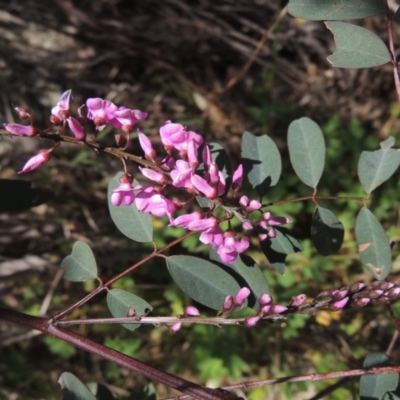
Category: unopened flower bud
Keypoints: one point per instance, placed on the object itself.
(23, 130)
(131, 312)
(76, 128)
(338, 305)
(265, 299)
(192, 311)
(241, 296)
(228, 303)
(251, 321)
(297, 301)
(24, 113)
(356, 287)
(361, 301)
(175, 327)
(278, 309)
(393, 293)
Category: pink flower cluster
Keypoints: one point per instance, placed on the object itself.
(185, 151)
(183, 173)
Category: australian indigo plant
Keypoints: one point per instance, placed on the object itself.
(191, 182)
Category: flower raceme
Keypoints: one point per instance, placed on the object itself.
(188, 166)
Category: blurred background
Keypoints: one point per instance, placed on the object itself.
(219, 67)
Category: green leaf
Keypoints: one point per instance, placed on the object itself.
(325, 10)
(356, 47)
(203, 281)
(73, 388)
(129, 220)
(247, 268)
(375, 386)
(261, 162)
(19, 195)
(80, 265)
(101, 392)
(277, 249)
(120, 302)
(373, 244)
(307, 150)
(376, 167)
(327, 231)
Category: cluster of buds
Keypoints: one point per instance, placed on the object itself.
(187, 164)
(102, 112)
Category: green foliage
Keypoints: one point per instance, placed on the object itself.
(373, 244)
(129, 220)
(204, 282)
(121, 302)
(59, 348)
(73, 388)
(81, 264)
(261, 162)
(307, 150)
(375, 386)
(333, 10)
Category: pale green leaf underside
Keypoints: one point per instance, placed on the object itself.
(129, 220)
(73, 388)
(326, 10)
(248, 269)
(80, 265)
(261, 162)
(373, 244)
(201, 280)
(375, 386)
(307, 150)
(375, 167)
(120, 302)
(356, 47)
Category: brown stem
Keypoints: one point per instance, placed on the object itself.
(94, 145)
(83, 343)
(311, 197)
(78, 304)
(395, 66)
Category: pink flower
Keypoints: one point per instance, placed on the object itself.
(265, 299)
(61, 111)
(250, 205)
(127, 118)
(206, 156)
(36, 161)
(143, 198)
(125, 192)
(228, 303)
(147, 146)
(160, 206)
(102, 112)
(76, 128)
(183, 221)
(231, 247)
(192, 155)
(155, 176)
(203, 186)
(172, 133)
(18, 129)
(298, 300)
(237, 178)
(241, 296)
(181, 175)
(213, 236)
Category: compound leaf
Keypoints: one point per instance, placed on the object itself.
(307, 150)
(356, 47)
(120, 302)
(129, 220)
(80, 265)
(261, 162)
(373, 244)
